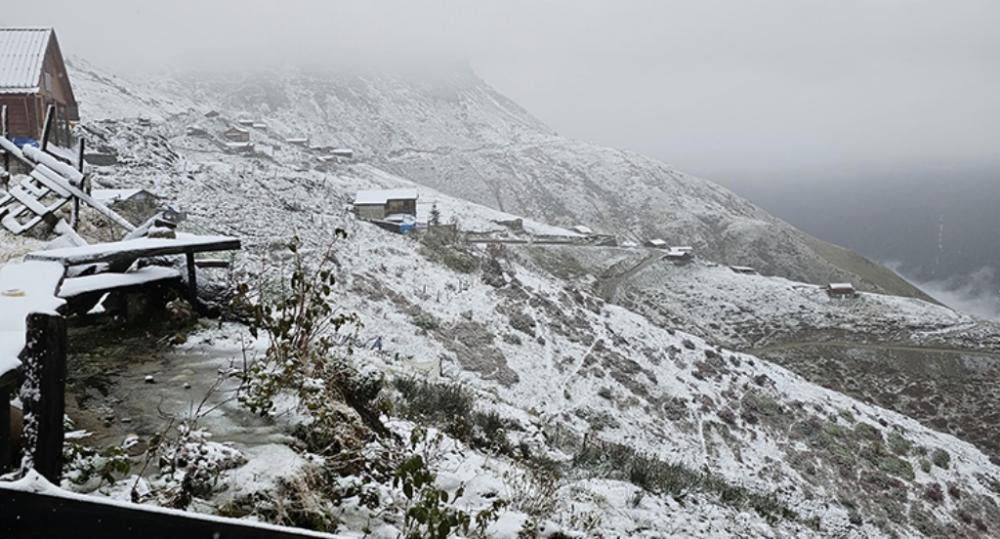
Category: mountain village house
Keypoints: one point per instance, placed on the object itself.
(236, 134)
(32, 77)
(841, 290)
(377, 205)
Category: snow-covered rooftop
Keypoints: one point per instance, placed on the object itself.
(385, 195)
(22, 54)
(841, 286)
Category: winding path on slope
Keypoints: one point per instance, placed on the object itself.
(608, 288)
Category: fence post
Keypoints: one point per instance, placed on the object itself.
(75, 215)
(43, 394)
(5, 173)
(6, 450)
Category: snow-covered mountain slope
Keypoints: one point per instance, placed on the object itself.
(570, 369)
(917, 358)
(451, 131)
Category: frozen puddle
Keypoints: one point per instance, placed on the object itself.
(156, 390)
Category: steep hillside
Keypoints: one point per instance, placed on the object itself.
(920, 359)
(611, 419)
(451, 131)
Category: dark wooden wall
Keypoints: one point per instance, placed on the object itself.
(22, 115)
(27, 515)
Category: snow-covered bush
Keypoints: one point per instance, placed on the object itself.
(300, 321)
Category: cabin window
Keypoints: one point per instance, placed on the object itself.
(47, 82)
(397, 206)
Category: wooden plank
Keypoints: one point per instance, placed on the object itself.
(48, 165)
(28, 200)
(211, 263)
(138, 248)
(35, 515)
(28, 184)
(11, 223)
(103, 282)
(53, 185)
(77, 192)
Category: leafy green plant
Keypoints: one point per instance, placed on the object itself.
(86, 463)
(300, 322)
(430, 512)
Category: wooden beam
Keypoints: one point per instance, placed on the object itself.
(47, 127)
(44, 358)
(133, 249)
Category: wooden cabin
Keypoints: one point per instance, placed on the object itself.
(841, 290)
(236, 134)
(32, 77)
(377, 205)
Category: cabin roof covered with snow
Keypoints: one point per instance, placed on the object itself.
(384, 195)
(22, 56)
(841, 286)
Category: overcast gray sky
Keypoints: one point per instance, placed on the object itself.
(740, 90)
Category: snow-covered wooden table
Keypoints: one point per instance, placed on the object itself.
(129, 250)
(120, 255)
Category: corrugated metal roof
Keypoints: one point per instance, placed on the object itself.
(22, 53)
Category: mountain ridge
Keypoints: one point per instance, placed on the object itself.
(460, 136)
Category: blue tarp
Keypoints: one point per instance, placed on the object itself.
(21, 142)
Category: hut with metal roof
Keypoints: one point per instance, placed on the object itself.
(374, 205)
(32, 77)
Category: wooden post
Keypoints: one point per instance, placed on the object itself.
(6, 155)
(43, 393)
(47, 128)
(5, 433)
(192, 277)
(75, 216)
